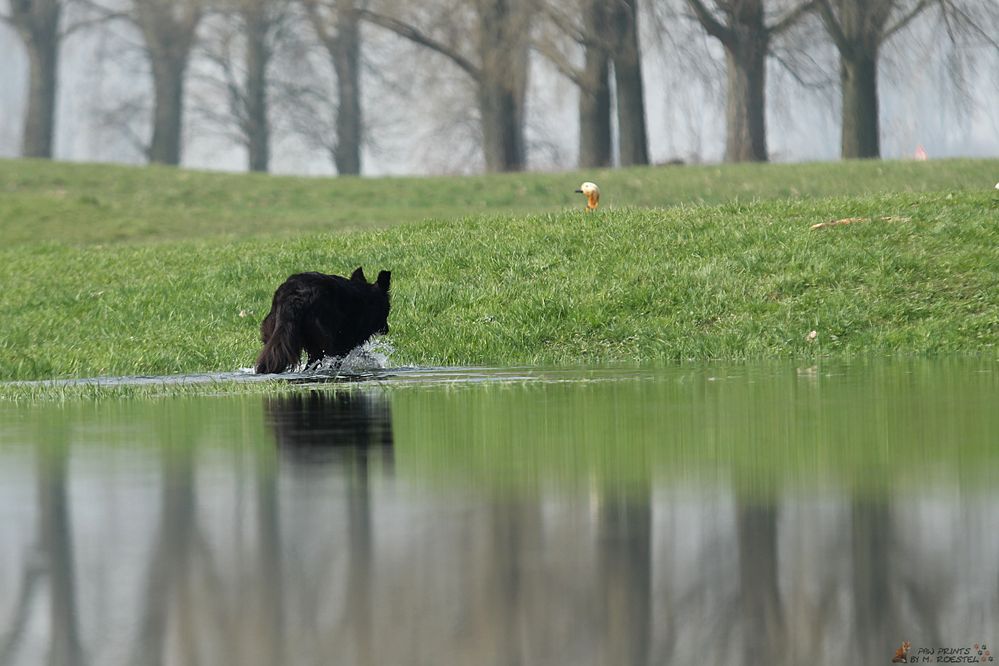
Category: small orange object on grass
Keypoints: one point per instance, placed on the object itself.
(592, 193)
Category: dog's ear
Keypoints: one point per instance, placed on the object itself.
(358, 275)
(384, 280)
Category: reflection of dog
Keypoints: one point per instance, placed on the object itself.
(327, 426)
(326, 315)
(901, 652)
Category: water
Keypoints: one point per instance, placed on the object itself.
(744, 514)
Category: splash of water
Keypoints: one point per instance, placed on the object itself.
(372, 355)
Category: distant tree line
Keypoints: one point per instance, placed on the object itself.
(592, 43)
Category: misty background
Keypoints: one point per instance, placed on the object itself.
(938, 87)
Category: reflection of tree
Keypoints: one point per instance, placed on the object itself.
(359, 583)
(188, 599)
(58, 547)
(625, 559)
(759, 596)
(812, 567)
(12, 639)
(303, 552)
(874, 609)
(338, 429)
(170, 557)
(271, 623)
(55, 560)
(505, 594)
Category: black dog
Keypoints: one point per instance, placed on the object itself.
(326, 315)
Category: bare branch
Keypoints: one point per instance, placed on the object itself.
(792, 17)
(711, 25)
(409, 32)
(956, 12)
(119, 120)
(566, 26)
(906, 19)
(229, 83)
(833, 26)
(793, 70)
(312, 10)
(561, 63)
(83, 24)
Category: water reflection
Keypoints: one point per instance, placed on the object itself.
(341, 431)
(49, 577)
(317, 426)
(497, 526)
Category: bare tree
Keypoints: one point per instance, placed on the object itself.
(743, 30)
(261, 22)
(627, 59)
(594, 90)
(859, 28)
(592, 79)
(168, 29)
(249, 31)
(337, 25)
(497, 65)
(37, 23)
(607, 32)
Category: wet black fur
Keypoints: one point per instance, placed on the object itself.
(324, 315)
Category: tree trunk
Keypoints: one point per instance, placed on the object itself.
(503, 44)
(628, 77)
(594, 96)
(168, 30)
(346, 55)
(595, 117)
(859, 82)
(39, 123)
(858, 28)
(168, 89)
(257, 127)
(502, 127)
(37, 23)
(745, 102)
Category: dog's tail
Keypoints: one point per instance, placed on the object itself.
(282, 334)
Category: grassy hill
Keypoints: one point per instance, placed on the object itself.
(112, 270)
(83, 204)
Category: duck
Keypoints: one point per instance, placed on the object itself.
(592, 193)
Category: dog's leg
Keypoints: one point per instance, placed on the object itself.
(321, 341)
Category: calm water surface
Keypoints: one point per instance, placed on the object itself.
(745, 514)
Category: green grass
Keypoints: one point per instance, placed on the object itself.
(46, 392)
(185, 288)
(100, 204)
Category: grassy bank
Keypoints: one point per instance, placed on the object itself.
(80, 204)
(732, 281)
